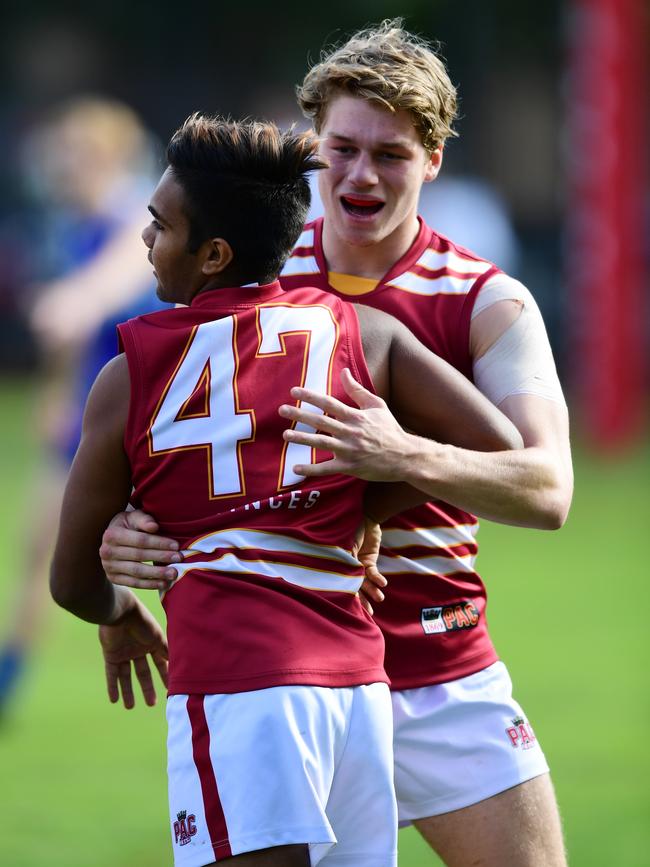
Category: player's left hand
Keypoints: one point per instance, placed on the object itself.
(366, 442)
(129, 641)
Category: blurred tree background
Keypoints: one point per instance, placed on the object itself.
(510, 61)
(166, 60)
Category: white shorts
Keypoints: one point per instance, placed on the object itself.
(459, 743)
(279, 766)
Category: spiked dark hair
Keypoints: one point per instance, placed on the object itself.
(246, 182)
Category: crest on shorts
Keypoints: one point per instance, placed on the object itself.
(449, 618)
(184, 827)
(521, 734)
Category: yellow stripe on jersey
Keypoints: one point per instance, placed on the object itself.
(348, 284)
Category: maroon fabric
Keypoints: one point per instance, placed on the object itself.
(235, 623)
(213, 809)
(439, 314)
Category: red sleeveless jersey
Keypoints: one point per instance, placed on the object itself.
(267, 593)
(433, 618)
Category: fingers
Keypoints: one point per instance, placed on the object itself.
(363, 398)
(160, 661)
(373, 575)
(328, 404)
(365, 602)
(325, 468)
(316, 441)
(372, 591)
(118, 678)
(111, 682)
(139, 583)
(136, 519)
(140, 575)
(143, 673)
(111, 553)
(126, 687)
(315, 420)
(116, 538)
(122, 552)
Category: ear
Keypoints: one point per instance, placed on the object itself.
(433, 165)
(217, 255)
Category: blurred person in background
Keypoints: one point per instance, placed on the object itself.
(89, 167)
(469, 771)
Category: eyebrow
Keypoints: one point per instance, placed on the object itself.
(155, 213)
(404, 145)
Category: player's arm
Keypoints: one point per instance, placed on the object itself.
(513, 366)
(425, 393)
(529, 487)
(99, 485)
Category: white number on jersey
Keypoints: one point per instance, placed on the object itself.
(210, 366)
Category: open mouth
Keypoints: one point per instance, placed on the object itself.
(361, 207)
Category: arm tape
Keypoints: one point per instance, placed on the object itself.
(520, 361)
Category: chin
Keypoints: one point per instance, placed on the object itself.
(362, 236)
(350, 228)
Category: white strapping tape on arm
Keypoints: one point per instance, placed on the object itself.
(521, 360)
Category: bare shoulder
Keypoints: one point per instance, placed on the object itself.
(108, 401)
(378, 330)
(376, 322)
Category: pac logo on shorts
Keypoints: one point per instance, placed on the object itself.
(521, 734)
(449, 618)
(184, 827)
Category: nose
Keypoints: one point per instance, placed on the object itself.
(362, 172)
(147, 236)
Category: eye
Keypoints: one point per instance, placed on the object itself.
(157, 226)
(344, 149)
(388, 155)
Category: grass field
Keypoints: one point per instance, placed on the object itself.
(83, 783)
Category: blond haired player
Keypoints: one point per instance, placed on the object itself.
(469, 773)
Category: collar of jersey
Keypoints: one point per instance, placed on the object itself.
(403, 264)
(237, 296)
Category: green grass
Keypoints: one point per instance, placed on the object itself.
(83, 782)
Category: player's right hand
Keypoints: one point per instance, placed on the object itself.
(129, 540)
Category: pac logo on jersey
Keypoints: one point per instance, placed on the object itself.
(521, 734)
(449, 618)
(184, 827)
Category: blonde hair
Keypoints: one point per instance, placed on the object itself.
(388, 65)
